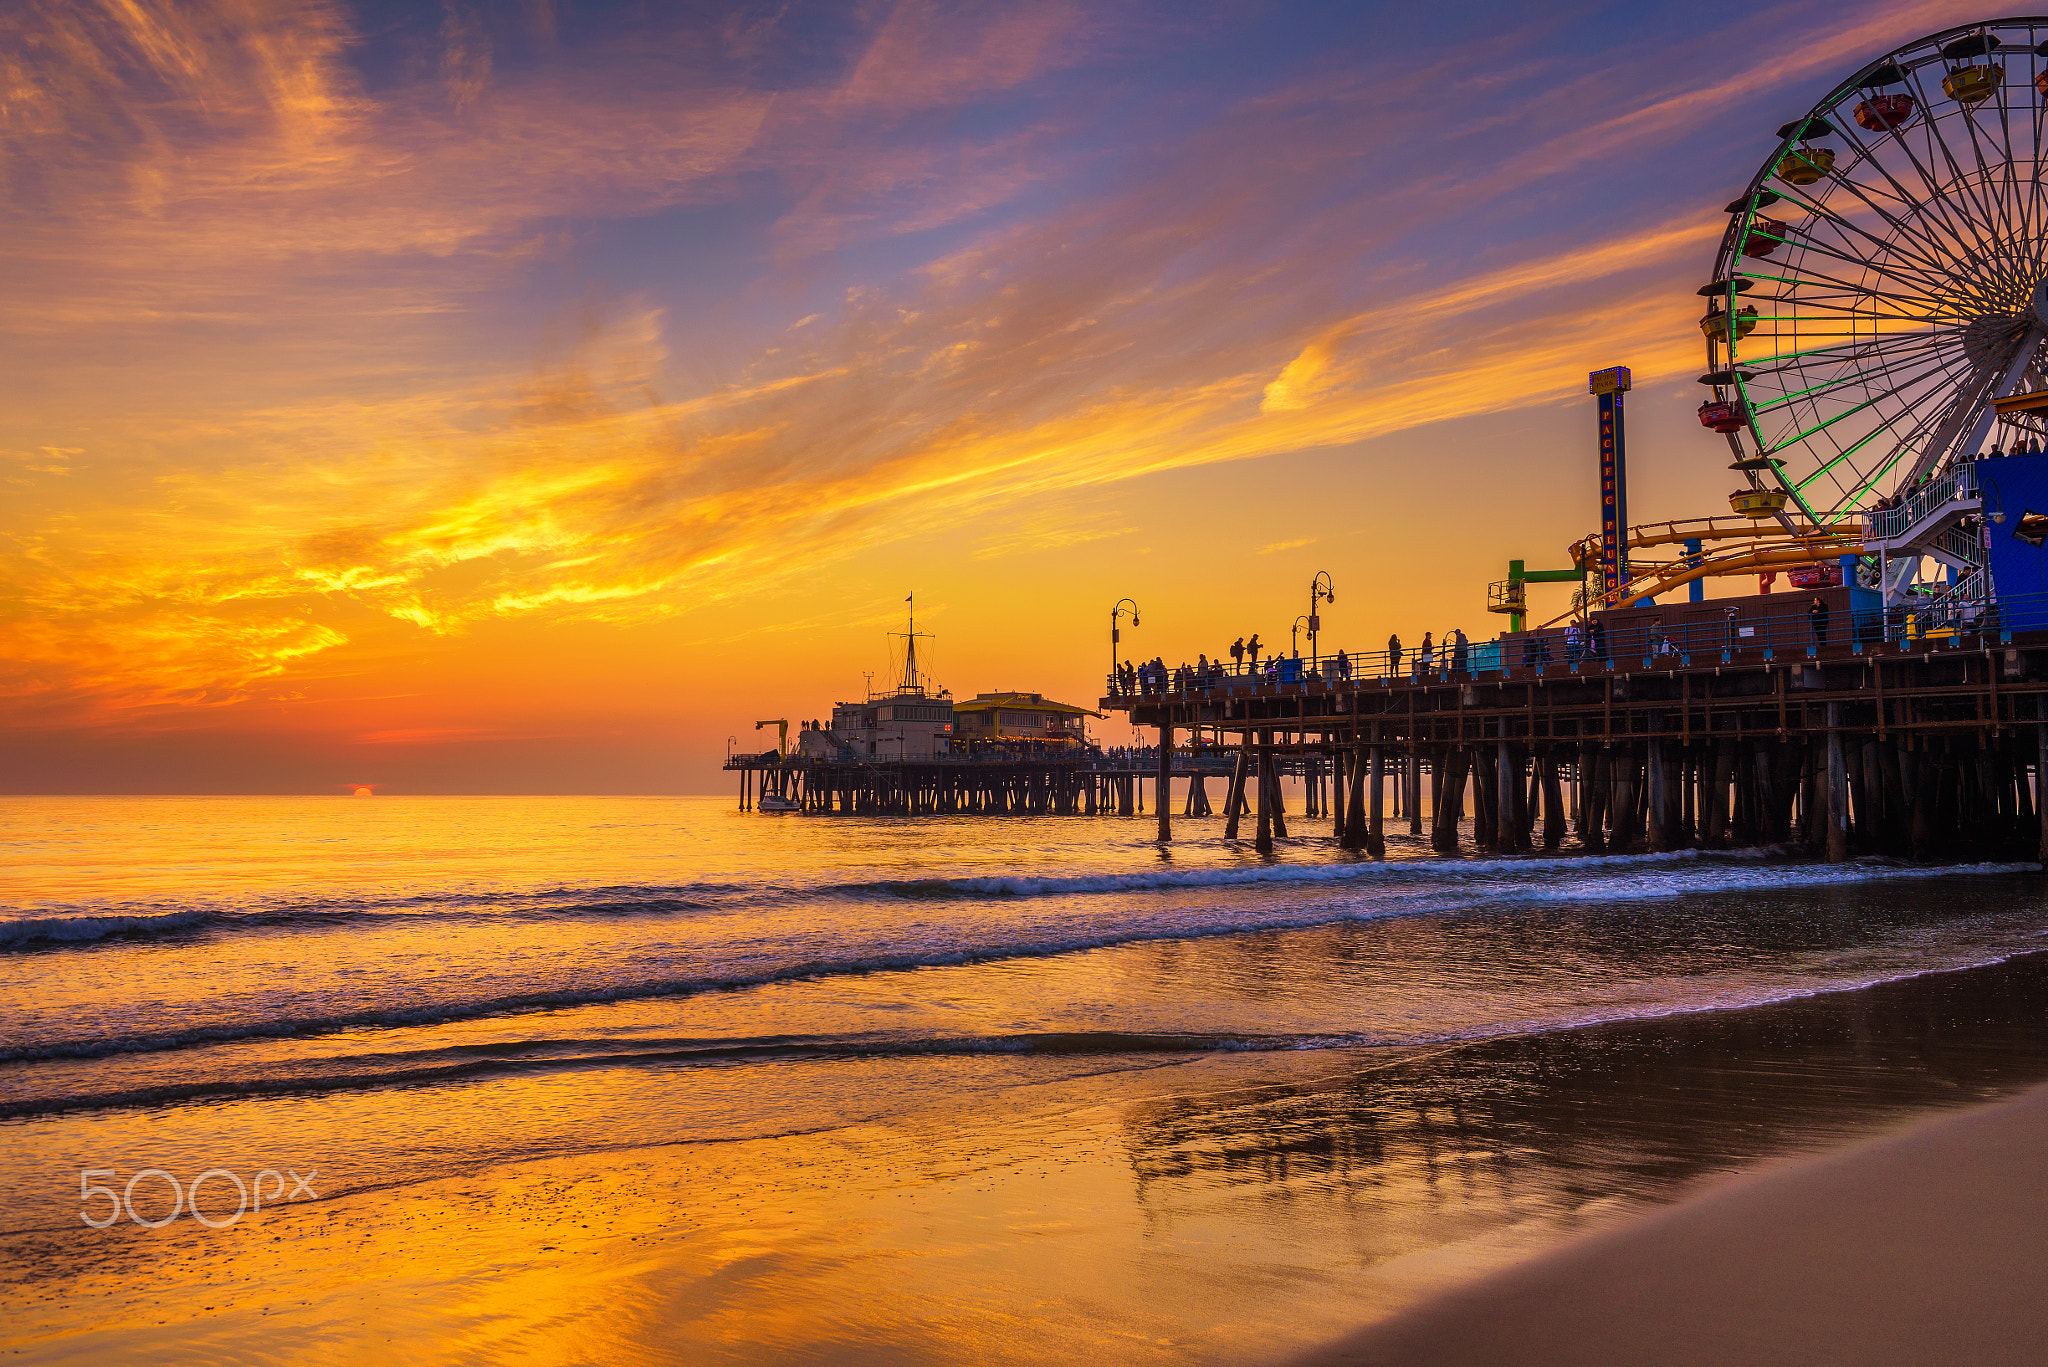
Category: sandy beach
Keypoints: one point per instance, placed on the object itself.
(1927, 1246)
(674, 1184)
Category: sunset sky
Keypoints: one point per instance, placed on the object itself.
(527, 397)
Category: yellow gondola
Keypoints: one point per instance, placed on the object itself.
(1806, 165)
(1972, 85)
(1758, 503)
(1715, 324)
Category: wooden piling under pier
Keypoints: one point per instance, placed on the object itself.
(959, 786)
(1845, 750)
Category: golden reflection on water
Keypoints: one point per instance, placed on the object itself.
(1228, 1209)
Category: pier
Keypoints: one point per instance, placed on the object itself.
(1742, 731)
(1078, 784)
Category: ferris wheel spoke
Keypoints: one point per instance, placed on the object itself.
(1899, 447)
(2005, 175)
(2032, 180)
(1855, 349)
(1930, 204)
(1822, 426)
(1916, 205)
(1824, 304)
(1852, 232)
(1920, 273)
(1854, 341)
(1997, 210)
(1949, 243)
(1996, 268)
(1966, 398)
(1924, 271)
(1903, 446)
(1930, 128)
(1898, 386)
(1929, 363)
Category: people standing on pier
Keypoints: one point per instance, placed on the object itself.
(1251, 650)
(1574, 644)
(1461, 651)
(1731, 615)
(1237, 656)
(1393, 655)
(1426, 656)
(1817, 616)
(1596, 639)
(1343, 666)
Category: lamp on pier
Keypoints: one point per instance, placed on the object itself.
(1116, 615)
(1321, 589)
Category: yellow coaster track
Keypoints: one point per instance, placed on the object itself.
(1740, 546)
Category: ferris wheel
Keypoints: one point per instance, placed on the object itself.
(1883, 282)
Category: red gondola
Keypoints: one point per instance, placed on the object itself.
(1722, 415)
(1882, 113)
(1765, 234)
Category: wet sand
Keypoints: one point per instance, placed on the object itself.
(1231, 1208)
(1925, 1247)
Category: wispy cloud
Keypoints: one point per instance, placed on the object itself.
(298, 410)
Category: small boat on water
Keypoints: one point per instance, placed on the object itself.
(772, 803)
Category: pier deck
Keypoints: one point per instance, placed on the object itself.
(1917, 748)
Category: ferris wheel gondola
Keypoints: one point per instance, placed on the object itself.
(1880, 296)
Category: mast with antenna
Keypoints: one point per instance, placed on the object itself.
(912, 681)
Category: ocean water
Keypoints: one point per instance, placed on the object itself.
(394, 992)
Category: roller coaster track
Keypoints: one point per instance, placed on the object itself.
(1751, 550)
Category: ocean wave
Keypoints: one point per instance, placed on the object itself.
(48, 932)
(1621, 886)
(464, 1063)
(434, 1068)
(78, 929)
(1420, 870)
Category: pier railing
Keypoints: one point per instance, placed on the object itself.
(1960, 616)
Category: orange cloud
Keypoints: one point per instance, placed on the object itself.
(268, 308)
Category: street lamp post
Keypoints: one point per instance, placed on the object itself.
(1116, 634)
(1320, 590)
(1294, 634)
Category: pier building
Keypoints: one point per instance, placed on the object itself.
(1028, 722)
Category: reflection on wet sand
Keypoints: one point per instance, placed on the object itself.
(1232, 1208)
(1632, 1107)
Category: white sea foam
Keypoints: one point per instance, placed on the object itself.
(72, 929)
(949, 945)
